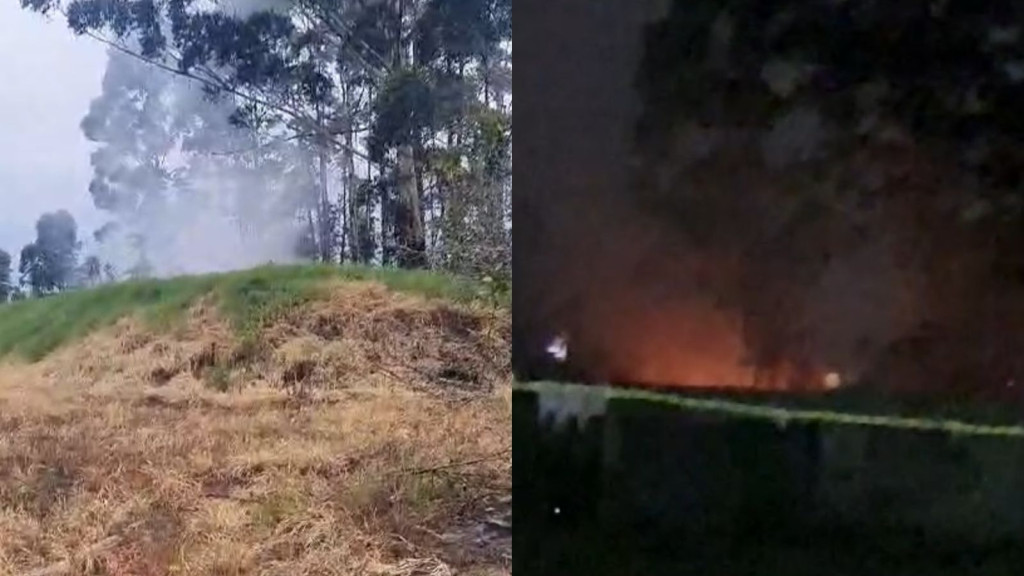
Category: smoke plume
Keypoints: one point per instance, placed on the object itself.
(723, 254)
(186, 189)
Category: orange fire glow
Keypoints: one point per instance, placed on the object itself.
(678, 346)
(691, 344)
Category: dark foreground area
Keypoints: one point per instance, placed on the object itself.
(711, 485)
(552, 551)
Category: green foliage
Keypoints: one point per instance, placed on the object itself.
(253, 299)
(249, 299)
(497, 290)
(454, 29)
(400, 74)
(48, 265)
(403, 112)
(491, 142)
(32, 328)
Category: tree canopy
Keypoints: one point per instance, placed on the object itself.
(6, 279)
(48, 264)
(947, 74)
(408, 99)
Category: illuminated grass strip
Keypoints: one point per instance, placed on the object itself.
(781, 416)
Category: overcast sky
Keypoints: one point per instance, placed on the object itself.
(49, 78)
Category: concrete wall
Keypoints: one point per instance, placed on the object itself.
(700, 476)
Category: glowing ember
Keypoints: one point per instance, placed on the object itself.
(833, 380)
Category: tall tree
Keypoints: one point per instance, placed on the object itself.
(6, 282)
(399, 72)
(48, 264)
(91, 272)
(31, 270)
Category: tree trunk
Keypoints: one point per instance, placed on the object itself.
(411, 239)
(389, 232)
(354, 222)
(324, 202)
(409, 226)
(324, 208)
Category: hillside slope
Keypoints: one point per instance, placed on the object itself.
(278, 421)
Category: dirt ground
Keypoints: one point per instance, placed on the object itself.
(368, 433)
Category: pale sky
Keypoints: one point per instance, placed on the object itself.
(49, 78)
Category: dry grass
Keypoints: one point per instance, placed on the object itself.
(369, 433)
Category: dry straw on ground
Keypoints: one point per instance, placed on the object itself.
(368, 433)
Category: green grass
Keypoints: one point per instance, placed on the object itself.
(32, 329)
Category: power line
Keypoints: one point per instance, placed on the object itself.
(220, 84)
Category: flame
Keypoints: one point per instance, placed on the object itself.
(686, 343)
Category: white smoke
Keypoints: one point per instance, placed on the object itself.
(187, 191)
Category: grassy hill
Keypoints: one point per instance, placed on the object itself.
(283, 420)
(34, 328)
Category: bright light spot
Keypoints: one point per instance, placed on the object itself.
(558, 349)
(833, 380)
